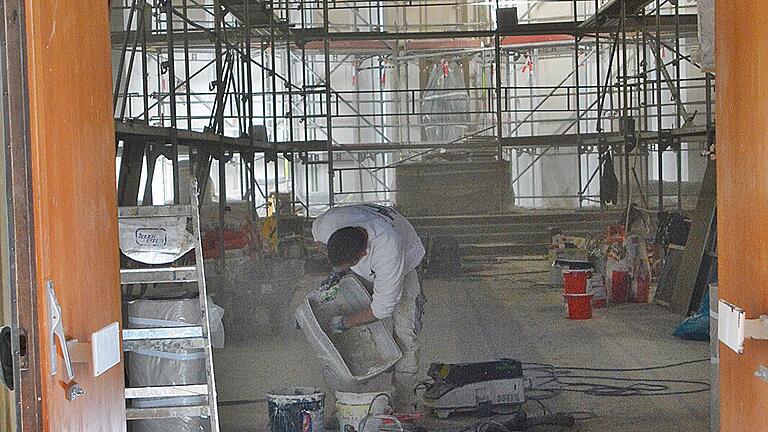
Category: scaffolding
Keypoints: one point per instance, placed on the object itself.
(323, 99)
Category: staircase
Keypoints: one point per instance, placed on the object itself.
(527, 232)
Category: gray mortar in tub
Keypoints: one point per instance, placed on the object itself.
(362, 348)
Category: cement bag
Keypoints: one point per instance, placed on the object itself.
(617, 273)
(155, 240)
(639, 269)
(173, 367)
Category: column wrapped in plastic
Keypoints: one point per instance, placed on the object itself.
(445, 103)
(163, 368)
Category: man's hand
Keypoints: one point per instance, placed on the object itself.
(331, 280)
(338, 325)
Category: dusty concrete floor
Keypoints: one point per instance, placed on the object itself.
(484, 318)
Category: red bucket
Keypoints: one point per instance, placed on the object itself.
(575, 281)
(578, 306)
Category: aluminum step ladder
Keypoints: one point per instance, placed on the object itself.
(161, 236)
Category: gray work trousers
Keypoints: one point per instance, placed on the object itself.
(407, 324)
(407, 327)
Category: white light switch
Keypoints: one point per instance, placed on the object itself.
(105, 348)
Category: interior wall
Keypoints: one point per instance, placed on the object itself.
(742, 194)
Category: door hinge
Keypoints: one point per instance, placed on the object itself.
(21, 350)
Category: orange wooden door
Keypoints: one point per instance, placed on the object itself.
(71, 130)
(742, 201)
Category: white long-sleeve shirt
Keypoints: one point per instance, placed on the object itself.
(394, 249)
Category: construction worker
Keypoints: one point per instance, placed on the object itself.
(381, 246)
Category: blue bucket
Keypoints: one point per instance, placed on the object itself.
(296, 410)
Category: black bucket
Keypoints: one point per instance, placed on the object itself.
(296, 410)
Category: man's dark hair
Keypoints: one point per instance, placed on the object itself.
(345, 245)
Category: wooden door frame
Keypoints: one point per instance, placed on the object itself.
(18, 183)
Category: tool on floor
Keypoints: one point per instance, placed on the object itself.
(467, 387)
(163, 235)
(521, 422)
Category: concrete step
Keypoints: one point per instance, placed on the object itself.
(537, 217)
(572, 228)
(525, 238)
(515, 234)
(503, 249)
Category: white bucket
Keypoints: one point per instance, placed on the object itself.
(352, 408)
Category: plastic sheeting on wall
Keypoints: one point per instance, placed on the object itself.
(445, 103)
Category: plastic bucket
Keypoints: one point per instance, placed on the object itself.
(296, 410)
(352, 408)
(560, 266)
(576, 281)
(578, 306)
(619, 286)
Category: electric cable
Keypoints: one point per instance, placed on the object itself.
(639, 386)
(554, 380)
(640, 369)
(522, 423)
(582, 415)
(370, 408)
(241, 402)
(544, 407)
(489, 426)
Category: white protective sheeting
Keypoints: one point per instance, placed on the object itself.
(178, 367)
